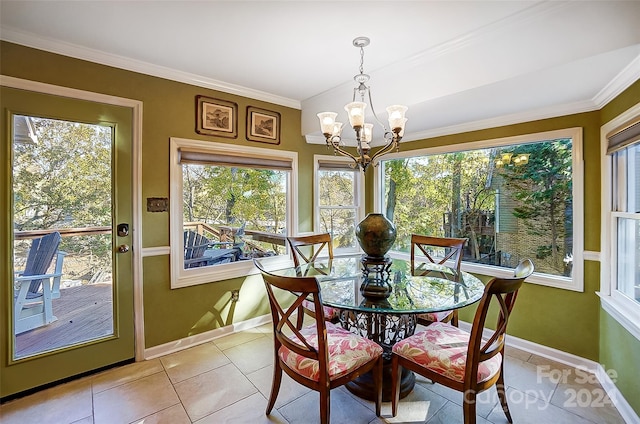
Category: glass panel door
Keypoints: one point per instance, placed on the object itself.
(68, 190)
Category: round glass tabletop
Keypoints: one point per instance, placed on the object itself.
(388, 287)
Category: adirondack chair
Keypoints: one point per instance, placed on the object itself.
(34, 288)
(194, 247)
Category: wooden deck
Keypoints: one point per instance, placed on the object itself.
(84, 313)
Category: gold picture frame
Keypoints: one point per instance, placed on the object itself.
(263, 125)
(216, 117)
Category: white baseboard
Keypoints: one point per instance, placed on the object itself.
(207, 336)
(621, 404)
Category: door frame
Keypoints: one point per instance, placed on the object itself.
(136, 201)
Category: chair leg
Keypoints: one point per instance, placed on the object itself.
(377, 378)
(325, 405)
(275, 385)
(395, 384)
(469, 406)
(454, 318)
(502, 395)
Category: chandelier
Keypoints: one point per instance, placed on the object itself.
(507, 159)
(364, 132)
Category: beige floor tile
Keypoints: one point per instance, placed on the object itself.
(289, 389)
(65, 403)
(344, 409)
(85, 420)
(213, 390)
(526, 409)
(529, 378)
(135, 400)
(485, 401)
(193, 361)
(418, 407)
(229, 380)
(452, 413)
(517, 353)
(251, 409)
(125, 374)
(253, 355)
(173, 415)
(236, 339)
(585, 397)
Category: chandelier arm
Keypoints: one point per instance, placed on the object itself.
(337, 148)
(395, 142)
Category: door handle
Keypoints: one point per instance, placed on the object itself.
(123, 248)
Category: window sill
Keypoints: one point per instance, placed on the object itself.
(626, 316)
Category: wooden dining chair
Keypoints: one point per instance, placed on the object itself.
(321, 356)
(460, 360)
(307, 249)
(441, 251)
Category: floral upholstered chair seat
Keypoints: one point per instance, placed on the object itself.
(330, 314)
(435, 316)
(442, 348)
(347, 351)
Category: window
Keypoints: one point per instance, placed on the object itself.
(620, 289)
(229, 205)
(338, 191)
(512, 198)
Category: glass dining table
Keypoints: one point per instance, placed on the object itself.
(381, 299)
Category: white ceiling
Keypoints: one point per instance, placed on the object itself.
(458, 65)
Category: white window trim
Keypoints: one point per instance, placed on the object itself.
(358, 195)
(181, 277)
(624, 310)
(576, 281)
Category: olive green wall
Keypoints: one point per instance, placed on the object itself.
(561, 319)
(169, 111)
(620, 350)
(620, 354)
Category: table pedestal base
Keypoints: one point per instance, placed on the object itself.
(385, 329)
(364, 388)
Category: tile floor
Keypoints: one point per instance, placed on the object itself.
(228, 381)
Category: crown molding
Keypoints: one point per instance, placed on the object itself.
(121, 62)
(622, 81)
(500, 121)
(504, 120)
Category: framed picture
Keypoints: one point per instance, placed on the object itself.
(263, 125)
(216, 117)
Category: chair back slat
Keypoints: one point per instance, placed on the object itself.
(504, 291)
(424, 247)
(286, 295)
(307, 249)
(40, 257)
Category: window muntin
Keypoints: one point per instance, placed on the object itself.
(239, 199)
(626, 221)
(493, 204)
(338, 188)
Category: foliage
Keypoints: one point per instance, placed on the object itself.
(454, 195)
(337, 202)
(424, 194)
(232, 196)
(543, 192)
(62, 179)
